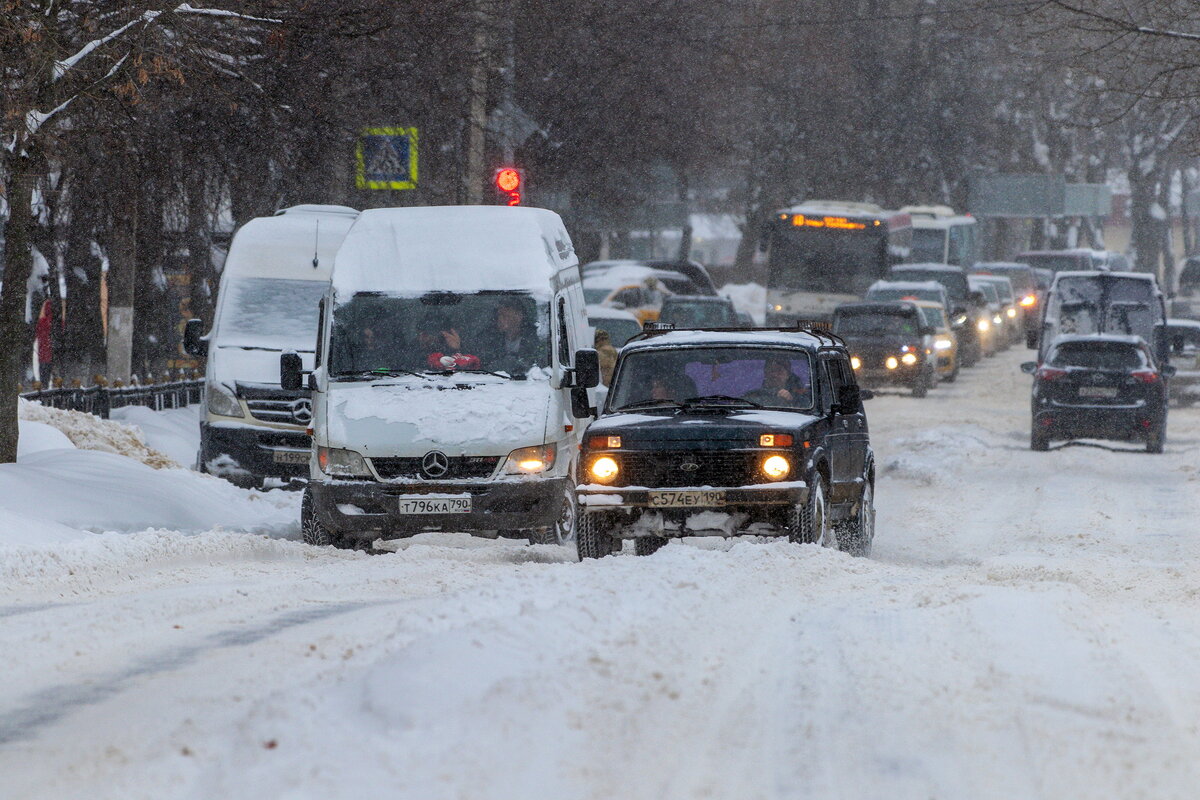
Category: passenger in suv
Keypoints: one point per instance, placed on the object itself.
(1099, 386)
(771, 439)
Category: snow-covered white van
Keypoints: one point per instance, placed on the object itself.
(452, 378)
(274, 278)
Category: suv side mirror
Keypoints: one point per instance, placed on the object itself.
(587, 369)
(291, 370)
(849, 400)
(193, 342)
(1029, 367)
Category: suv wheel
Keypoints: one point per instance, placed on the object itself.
(311, 529)
(810, 522)
(648, 545)
(922, 385)
(854, 536)
(592, 539)
(1038, 441)
(1155, 443)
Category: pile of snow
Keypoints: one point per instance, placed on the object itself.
(89, 432)
(934, 455)
(750, 298)
(174, 432)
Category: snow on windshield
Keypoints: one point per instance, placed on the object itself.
(270, 313)
(496, 331)
(771, 377)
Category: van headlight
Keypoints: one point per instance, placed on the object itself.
(909, 359)
(530, 460)
(342, 463)
(983, 325)
(222, 403)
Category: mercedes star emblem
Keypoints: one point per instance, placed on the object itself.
(435, 464)
(302, 411)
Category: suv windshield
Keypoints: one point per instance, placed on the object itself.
(875, 323)
(505, 332)
(758, 376)
(1097, 355)
(270, 313)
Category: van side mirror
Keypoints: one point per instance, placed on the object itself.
(193, 341)
(291, 370)
(586, 374)
(1029, 367)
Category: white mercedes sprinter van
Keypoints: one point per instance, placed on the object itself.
(275, 275)
(452, 378)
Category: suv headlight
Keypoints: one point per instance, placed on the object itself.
(530, 460)
(342, 463)
(604, 469)
(222, 403)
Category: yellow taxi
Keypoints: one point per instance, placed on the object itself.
(943, 342)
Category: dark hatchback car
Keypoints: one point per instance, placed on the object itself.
(721, 433)
(1099, 387)
(889, 343)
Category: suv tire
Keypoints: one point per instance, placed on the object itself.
(810, 522)
(648, 545)
(592, 539)
(1037, 441)
(1156, 442)
(855, 535)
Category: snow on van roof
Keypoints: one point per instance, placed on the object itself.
(453, 248)
(927, 266)
(1116, 338)
(313, 208)
(283, 246)
(907, 286)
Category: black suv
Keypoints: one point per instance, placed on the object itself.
(890, 344)
(1099, 386)
(727, 432)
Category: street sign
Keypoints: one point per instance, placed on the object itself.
(386, 158)
(1036, 195)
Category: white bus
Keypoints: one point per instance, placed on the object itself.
(940, 236)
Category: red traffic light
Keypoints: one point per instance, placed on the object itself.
(508, 180)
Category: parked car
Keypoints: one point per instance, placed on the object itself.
(890, 344)
(968, 309)
(725, 433)
(620, 325)
(1184, 338)
(454, 372)
(1099, 386)
(695, 272)
(637, 289)
(277, 271)
(699, 311)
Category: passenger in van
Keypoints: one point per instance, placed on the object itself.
(440, 347)
(514, 348)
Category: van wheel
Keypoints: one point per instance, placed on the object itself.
(592, 539)
(649, 545)
(855, 535)
(311, 529)
(563, 529)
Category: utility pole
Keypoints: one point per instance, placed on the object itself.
(473, 176)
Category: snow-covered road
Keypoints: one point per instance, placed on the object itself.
(1026, 628)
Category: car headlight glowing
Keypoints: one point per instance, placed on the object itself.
(342, 463)
(942, 344)
(1012, 313)
(530, 460)
(909, 358)
(855, 362)
(1029, 300)
(776, 467)
(997, 319)
(891, 362)
(961, 319)
(222, 403)
(983, 325)
(604, 469)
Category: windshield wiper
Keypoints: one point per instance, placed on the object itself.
(721, 400)
(381, 372)
(520, 376)
(651, 404)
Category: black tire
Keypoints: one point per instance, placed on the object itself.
(592, 539)
(1038, 441)
(1158, 439)
(649, 545)
(810, 522)
(922, 385)
(855, 535)
(313, 531)
(563, 529)
(953, 376)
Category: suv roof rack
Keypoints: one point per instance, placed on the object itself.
(820, 329)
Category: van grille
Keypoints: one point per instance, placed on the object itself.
(461, 468)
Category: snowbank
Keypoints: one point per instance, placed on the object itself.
(89, 432)
(750, 298)
(174, 432)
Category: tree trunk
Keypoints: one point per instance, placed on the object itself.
(17, 265)
(1145, 238)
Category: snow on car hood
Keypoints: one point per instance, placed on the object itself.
(228, 365)
(480, 415)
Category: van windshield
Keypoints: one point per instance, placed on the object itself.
(270, 313)
(502, 332)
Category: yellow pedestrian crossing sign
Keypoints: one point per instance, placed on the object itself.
(386, 158)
